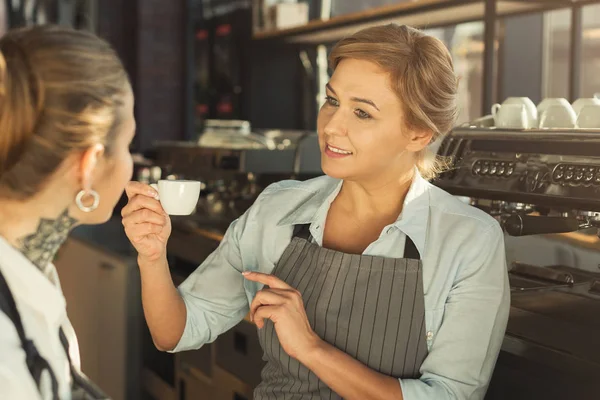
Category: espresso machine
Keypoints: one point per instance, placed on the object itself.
(543, 187)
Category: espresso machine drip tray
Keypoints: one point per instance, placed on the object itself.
(556, 307)
(520, 284)
(567, 307)
(525, 277)
(566, 322)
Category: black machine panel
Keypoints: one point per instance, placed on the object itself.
(548, 168)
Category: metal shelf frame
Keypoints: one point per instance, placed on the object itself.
(439, 13)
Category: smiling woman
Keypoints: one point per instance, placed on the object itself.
(408, 86)
(367, 283)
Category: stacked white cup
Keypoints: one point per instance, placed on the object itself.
(588, 113)
(556, 113)
(551, 113)
(515, 113)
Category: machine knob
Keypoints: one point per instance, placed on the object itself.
(558, 175)
(485, 169)
(569, 175)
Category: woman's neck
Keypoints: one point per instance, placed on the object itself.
(37, 235)
(383, 197)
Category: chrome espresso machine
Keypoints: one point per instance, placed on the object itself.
(543, 186)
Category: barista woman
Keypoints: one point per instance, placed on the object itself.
(366, 283)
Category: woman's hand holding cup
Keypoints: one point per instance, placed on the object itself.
(146, 223)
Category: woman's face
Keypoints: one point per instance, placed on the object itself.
(361, 125)
(115, 169)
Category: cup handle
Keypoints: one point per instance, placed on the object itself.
(495, 109)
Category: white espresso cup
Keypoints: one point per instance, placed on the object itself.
(511, 116)
(178, 197)
(589, 117)
(584, 101)
(551, 101)
(558, 116)
(530, 108)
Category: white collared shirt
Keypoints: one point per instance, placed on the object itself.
(467, 296)
(41, 304)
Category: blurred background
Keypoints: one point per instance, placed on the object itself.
(265, 61)
(227, 92)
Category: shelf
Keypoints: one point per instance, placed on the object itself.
(417, 13)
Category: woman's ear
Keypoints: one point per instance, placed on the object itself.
(419, 139)
(88, 164)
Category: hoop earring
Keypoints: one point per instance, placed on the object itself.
(79, 200)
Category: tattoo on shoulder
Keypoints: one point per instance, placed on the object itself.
(41, 246)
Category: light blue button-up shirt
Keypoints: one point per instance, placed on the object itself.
(464, 276)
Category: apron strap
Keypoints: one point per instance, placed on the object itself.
(410, 250)
(302, 231)
(35, 362)
(91, 390)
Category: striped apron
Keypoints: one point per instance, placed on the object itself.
(370, 307)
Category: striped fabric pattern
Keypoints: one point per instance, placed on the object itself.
(372, 308)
